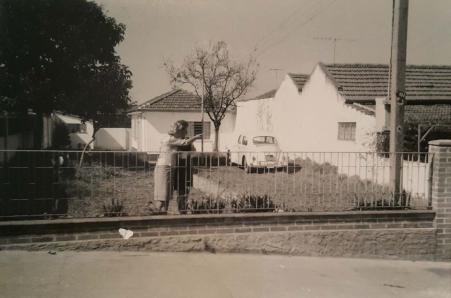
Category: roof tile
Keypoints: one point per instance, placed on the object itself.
(299, 79)
(365, 82)
(175, 100)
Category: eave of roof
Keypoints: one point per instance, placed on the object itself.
(268, 94)
(416, 114)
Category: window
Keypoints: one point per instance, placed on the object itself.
(195, 128)
(264, 140)
(244, 140)
(346, 131)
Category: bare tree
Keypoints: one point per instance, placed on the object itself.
(216, 78)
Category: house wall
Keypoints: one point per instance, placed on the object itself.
(112, 139)
(255, 115)
(15, 141)
(79, 140)
(149, 129)
(309, 121)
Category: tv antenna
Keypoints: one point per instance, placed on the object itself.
(334, 40)
(276, 72)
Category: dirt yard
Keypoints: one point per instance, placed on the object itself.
(102, 191)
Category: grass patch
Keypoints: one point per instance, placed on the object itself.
(315, 187)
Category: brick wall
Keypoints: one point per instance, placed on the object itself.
(394, 234)
(441, 195)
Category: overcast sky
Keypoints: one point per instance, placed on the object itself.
(289, 34)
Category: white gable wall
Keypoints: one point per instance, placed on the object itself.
(309, 121)
(285, 114)
(255, 115)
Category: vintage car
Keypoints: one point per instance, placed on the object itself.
(257, 151)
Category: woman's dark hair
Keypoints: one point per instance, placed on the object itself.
(178, 126)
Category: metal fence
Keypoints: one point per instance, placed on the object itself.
(49, 184)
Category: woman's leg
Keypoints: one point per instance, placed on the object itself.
(161, 187)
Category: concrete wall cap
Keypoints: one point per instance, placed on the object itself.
(441, 143)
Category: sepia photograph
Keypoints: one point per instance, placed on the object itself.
(225, 148)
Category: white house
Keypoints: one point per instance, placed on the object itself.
(152, 120)
(340, 107)
(309, 114)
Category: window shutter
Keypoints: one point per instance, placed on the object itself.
(190, 129)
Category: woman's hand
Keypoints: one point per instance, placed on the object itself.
(192, 139)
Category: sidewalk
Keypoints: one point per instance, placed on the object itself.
(143, 274)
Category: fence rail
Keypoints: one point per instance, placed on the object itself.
(37, 184)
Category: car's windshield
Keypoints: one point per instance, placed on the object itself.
(264, 140)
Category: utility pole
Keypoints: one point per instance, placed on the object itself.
(397, 93)
(202, 119)
(334, 40)
(5, 140)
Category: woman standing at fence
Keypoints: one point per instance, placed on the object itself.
(168, 173)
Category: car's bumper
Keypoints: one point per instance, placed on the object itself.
(268, 165)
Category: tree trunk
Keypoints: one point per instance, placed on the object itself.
(86, 147)
(83, 152)
(216, 144)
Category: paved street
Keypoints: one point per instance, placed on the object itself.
(142, 274)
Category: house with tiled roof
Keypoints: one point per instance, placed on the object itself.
(152, 120)
(340, 107)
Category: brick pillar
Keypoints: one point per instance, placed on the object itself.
(441, 195)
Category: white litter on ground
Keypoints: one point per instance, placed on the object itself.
(126, 234)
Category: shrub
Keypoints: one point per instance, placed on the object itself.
(240, 203)
(252, 203)
(116, 208)
(206, 205)
(384, 203)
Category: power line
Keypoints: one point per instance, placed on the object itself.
(284, 22)
(286, 36)
(314, 10)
